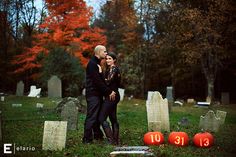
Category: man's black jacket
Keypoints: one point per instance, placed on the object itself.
(95, 83)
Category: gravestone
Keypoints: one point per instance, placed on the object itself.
(1, 140)
(122, 93)
(209, 122)
(34, 92)
(150, 93)
(225, 98)
(132, 150)
(221, 115)
(54, 87)
(69, 113)
(16, 105)
(39, 105)
(2, 98)
(54, 135)
(191, 101)
(157, 113)
(169, 96)
(20, 88)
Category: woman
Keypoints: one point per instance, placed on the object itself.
(109, 107)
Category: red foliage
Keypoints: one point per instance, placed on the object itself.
(66, 25)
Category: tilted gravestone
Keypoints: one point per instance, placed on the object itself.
(34, 92)
(54, 135)
(54, 87)
(69, 113)
(221, 115)
(20, 88)
(209, 122)
(157, 113)
(122, 93)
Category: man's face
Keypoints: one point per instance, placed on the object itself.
(103, 53)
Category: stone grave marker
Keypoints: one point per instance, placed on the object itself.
(225, 98)
(54, 135)
(69, 113)
(209, 122)
(20, 88)
(34, 92)
(54, 87)
(2, 98)
(221, 115)
(16, 105)
(39, 105)
(169, 96)
(1, 140)
(122, 93)
(157, 113)
(150, 93)
(132, 150)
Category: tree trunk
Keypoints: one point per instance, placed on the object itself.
(210, 88)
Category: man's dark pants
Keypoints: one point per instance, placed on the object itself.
(92, 125)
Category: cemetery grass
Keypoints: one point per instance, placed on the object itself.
(23, 126)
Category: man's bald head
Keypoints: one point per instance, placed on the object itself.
(100, 51)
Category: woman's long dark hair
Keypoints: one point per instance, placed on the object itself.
(113, 56)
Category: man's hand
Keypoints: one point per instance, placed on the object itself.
(112, 96)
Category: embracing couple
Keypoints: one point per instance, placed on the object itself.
(102, 97)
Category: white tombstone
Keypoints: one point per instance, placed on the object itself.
(34, 92)
(221, 115)
(39, 105)
(209, 122)
(54, 135)
(150, 93)
(122, 93)
(157, 113)
(16, 105)
(2, 98)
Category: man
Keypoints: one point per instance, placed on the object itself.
(95, 90)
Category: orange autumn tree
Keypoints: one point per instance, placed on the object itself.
(66, 26)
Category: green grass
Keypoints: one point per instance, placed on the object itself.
(24, 126)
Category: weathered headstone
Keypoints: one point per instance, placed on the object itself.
(169, 96)
(20, 88)
(209, 122)
(2, 98)
(221, 115)
(54, 87)
(39, 105)
(191, 101)
(157, 113)
(132, 150)
(225, 98)
(54, 135)
(69, 113)
(16, 105)
(1, 140)
(122, 93)
(34, 92)
(150, 93)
